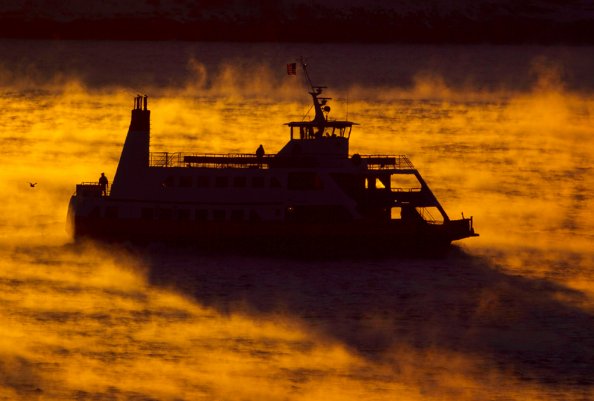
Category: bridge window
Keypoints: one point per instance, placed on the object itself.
(305, 133)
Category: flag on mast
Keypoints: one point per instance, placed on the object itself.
(292, 69)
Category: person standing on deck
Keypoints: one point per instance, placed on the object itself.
(103, 184)
(260, 154)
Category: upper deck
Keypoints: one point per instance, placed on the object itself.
(249, 160)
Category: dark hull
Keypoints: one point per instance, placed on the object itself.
(316, 238)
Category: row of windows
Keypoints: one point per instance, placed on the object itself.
(221, 182)
(297, 213)
(295, 181)
(149, 213)
(299, 180)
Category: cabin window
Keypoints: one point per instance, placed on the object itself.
(221, 182)
(185, 181)
(395, 213)
(258, 182)
(147, 213)
(327, 132)
(239, 181)
(111, 212)
(349, 183)
(183, 214)
(169, 182)
(318, 213)
(306, 133)
(202, 181)
(237, 215)
(304, 180)
(218, 215)
(165, 214)
(254, 216)
(375, 183)
(201, 214)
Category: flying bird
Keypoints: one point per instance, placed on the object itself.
(32, 184)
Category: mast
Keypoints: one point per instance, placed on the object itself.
(304, 66)
(320, 106)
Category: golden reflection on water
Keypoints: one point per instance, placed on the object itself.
(84, 322)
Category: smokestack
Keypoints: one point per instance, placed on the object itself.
(134, 161)
(141, 116)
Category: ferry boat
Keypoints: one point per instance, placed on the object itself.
(311, 195)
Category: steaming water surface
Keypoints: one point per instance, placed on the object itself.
(501, 133)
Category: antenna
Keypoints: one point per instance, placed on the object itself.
(347, 117)
(307, 113)
(304, 66)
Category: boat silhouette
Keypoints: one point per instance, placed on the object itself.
(313, 194)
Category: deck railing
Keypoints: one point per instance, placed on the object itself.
(213, 160)
(250, 160)
(379, 162)
(91, 189)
